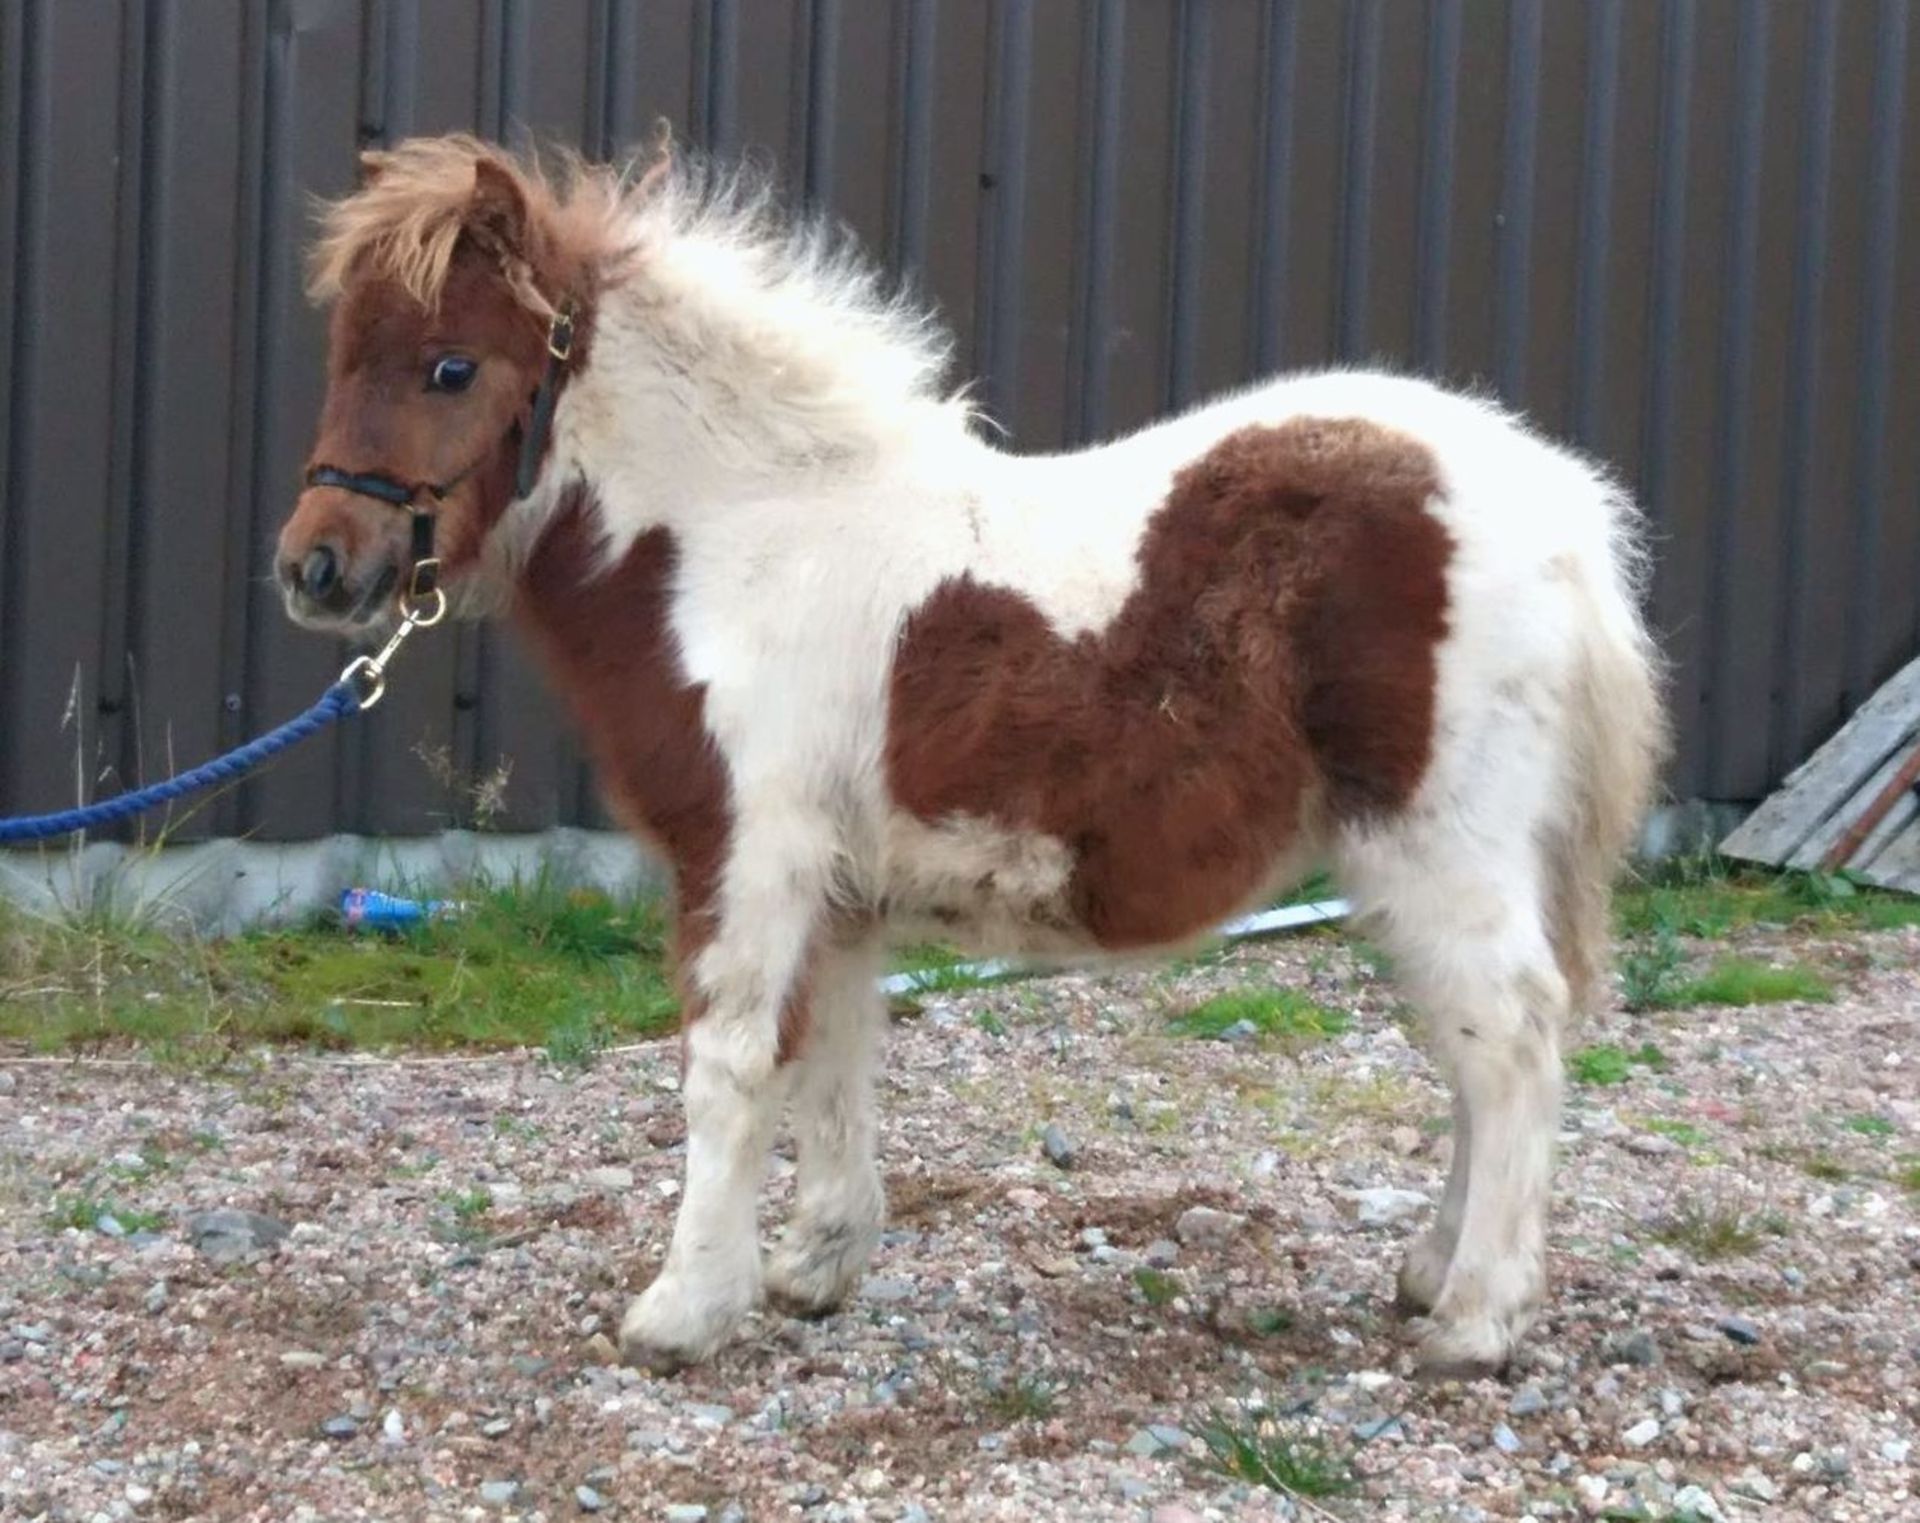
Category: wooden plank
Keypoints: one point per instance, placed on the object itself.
(1899, 865)
(1815, 791)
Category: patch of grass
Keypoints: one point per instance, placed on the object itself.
(1824, 1167)
(1683, 1132)
(1022, 1398)
(1269, 1321)
(1285, 1016)
(1710, 1231)
(990, 1023)
(1647, 973)
(1263, 1453)
(1869, 1126)
(1606, 1063)
(1907, 1175)
(1708, 897)
(1156, 1286)
(83, 1212)
(521, 963)
(1747, 981)
(468, 1205)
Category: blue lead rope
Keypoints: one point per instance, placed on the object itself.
(336, 703)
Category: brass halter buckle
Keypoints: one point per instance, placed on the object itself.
(368, 674)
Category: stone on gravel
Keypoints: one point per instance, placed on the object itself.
(588, 1499)
(227, 1236)
(1058, 1147)
(1754, 1484)
(342, 1427)
(1740, 1330)
(612, 1178)
(1528, 1401)
(1162, 1253)
(708, 1414)
(1204, 1227)
(883, 1289)
(1385, 1205)
(1895, 1451)
(1505, 1439)
(1636, 1348)
(1374, 1428)
(1157, 1439)
(686, 1512)
(393, 1428)
(303, 1359)
(601, 1350)
(500, 1493)
(1697, 1502)
(1641, 1433)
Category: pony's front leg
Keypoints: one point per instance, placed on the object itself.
(711, 1277)
(751, 971)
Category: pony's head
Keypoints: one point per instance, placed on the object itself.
(461, 286)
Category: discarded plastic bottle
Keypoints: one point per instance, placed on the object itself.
(368, 908)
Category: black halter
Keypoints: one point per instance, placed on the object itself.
(425, 575)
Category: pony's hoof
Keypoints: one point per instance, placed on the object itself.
(1423, 1275)
(811, 1274)
(665, 1329)
(1477, 1349)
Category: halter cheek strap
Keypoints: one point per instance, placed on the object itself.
(424, 577)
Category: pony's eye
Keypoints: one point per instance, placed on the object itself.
(452, 372)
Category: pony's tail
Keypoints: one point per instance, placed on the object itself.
(1615, 746)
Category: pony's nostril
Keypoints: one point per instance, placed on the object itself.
(319, 573)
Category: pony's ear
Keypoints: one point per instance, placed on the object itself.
(498, 210)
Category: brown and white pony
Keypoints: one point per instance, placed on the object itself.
(855, 672)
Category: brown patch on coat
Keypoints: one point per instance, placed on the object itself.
(1280, 647)
(605, 640)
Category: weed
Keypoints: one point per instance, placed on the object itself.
(1285, 1016)
(1022, 1398)
(1907, 1176)
(468, 1206)
(1710, 1231)
(1683, 1132)
(1156, 1286)
(1263, 1453)
(1269, 1321)
(1647, 974)
(1823, 1166)
(1608, 1064)
(1870, 1126)
(83, 1212)
(990, 1023)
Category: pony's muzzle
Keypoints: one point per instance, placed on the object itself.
(318, 574)
(321, 586)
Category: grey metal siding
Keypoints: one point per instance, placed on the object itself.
(1684, 234)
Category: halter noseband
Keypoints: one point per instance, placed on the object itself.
(424, 578)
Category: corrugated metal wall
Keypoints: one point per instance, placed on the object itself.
(1682, 233)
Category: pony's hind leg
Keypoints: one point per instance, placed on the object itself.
(839, 1204)
(1469, 938)
(1424, 1273)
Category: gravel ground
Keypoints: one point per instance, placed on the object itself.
(1734, 1330)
